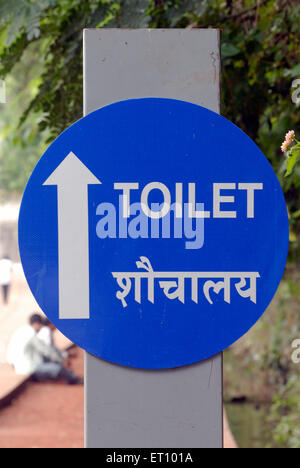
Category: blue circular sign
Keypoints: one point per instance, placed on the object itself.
(153, 233)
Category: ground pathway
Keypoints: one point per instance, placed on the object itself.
(48, 415)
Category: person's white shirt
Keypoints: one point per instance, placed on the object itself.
(26, 351)
(6, 267)
(45, 335)
(16, 355)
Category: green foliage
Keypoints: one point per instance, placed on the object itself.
(293, 157)
(20, 148)
(260, 367)
(20, 17)
(284, 416)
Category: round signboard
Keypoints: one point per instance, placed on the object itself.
(153, 233)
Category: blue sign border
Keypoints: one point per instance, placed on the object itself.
(183, 130)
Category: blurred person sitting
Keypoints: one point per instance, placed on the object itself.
(29, 355)
(46, 332)
(6, 267)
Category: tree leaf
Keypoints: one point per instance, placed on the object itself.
(229, 50)
(292, 160)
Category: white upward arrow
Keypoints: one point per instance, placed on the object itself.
(72, 178)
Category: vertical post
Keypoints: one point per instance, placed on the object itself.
(125, 407)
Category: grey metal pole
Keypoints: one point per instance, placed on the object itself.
(125, 407)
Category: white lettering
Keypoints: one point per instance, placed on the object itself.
(296, 94)
(192, 204)
(250, 196)
(126, 187)
(296, 353)
(218, 199)
(165, 206)
(173, 283)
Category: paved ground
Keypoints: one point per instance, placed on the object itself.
(48, 415)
